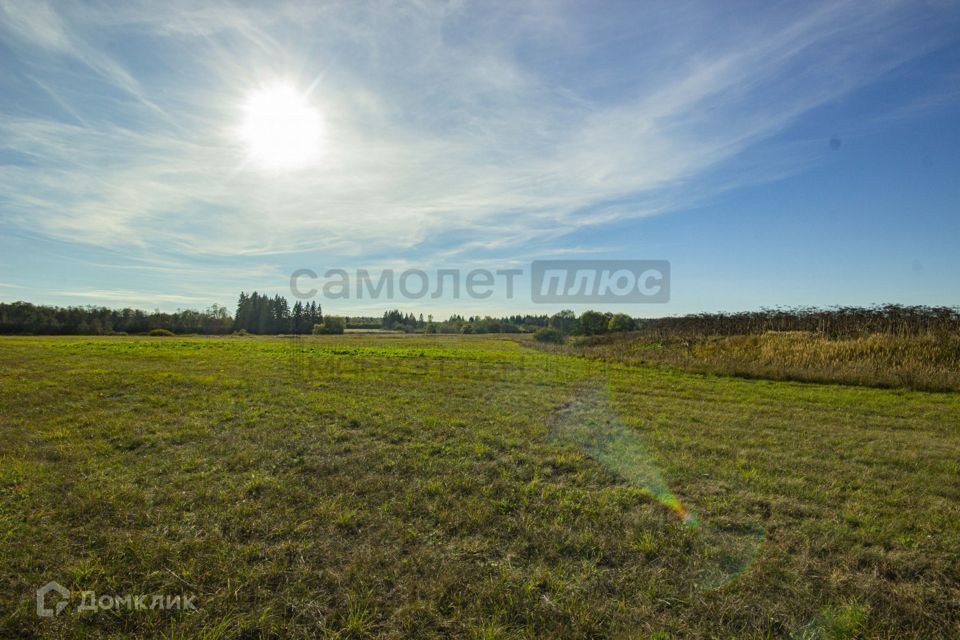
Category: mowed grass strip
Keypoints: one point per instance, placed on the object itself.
(391, 487)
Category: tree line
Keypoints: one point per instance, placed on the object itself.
(270, 315)
(833, 322)
(395, 320)
(566, 322)
(27, 318)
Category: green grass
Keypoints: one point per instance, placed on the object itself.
(395, 486)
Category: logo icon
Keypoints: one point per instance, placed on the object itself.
(42, 610)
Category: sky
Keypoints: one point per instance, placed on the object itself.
(775, 153)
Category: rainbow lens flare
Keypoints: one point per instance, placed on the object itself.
(589, 422)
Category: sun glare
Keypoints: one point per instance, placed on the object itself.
(281, 129)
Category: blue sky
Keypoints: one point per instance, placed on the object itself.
(774, 153)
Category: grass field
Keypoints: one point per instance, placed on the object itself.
(393, 486)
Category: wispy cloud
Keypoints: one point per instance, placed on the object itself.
(507, 127)
(132, 297)
(41, 26)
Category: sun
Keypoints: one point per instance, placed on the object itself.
(281, 129)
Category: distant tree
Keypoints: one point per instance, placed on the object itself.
(241, 319)
(258, 313)
(281, 315)
(593, 323)
(264, 315)
(392, 319)
(565, 322)
(621, 322)
(330, 326)
(296, 318)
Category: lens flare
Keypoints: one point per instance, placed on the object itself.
(589, 422)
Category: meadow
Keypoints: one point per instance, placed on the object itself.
(397, 486)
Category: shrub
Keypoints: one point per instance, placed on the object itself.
(621, 322)
(162, 333)
(594, 323)
(546, 334)
(330, 326)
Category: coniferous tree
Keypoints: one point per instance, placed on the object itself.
(281, 315)
(296, 318)
(240, 319)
